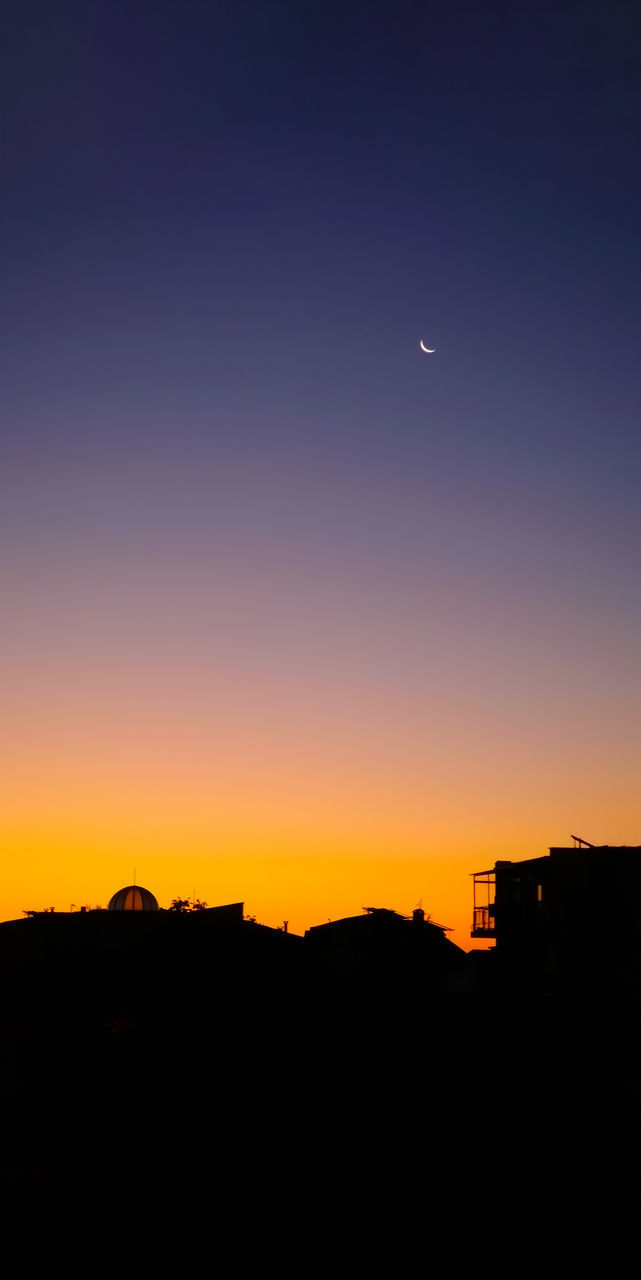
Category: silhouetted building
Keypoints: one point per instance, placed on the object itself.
(385, 944)
(570, 915)
(133, 898)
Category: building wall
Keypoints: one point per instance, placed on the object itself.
(572, 913)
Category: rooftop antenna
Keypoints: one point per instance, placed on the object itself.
(580, 843)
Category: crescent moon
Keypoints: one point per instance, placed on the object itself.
(429, 351)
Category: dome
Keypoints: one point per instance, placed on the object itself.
(133, 898)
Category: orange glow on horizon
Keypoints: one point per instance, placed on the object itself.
(307, 743)
(304, 885)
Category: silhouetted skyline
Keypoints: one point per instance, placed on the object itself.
(188, 1089)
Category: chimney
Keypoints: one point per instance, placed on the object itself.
(285, 924)
(418, 915)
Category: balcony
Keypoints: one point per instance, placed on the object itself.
(483, 922)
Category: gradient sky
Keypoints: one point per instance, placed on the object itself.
(293, 613)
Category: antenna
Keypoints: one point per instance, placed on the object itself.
(580, 843)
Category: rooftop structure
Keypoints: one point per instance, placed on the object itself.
(133, 898)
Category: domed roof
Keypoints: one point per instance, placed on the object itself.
(133, 898)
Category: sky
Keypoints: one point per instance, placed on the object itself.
(294, 613)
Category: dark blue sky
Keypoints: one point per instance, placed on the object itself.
(227, 225)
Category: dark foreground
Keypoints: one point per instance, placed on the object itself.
(212, 1114)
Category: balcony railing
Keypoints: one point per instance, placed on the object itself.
(483, 923)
